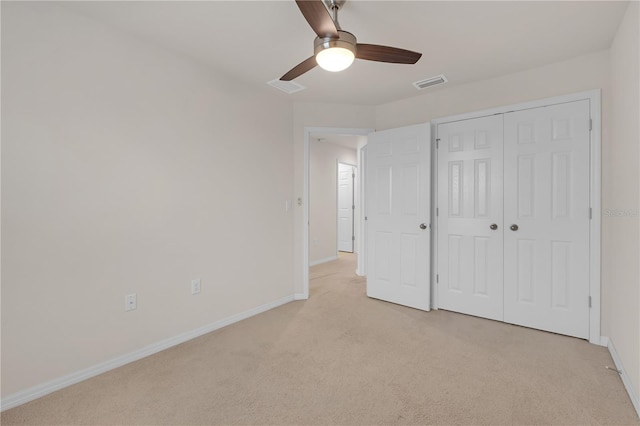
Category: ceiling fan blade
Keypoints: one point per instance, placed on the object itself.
(300, 69)
(374, 52)
(318, 17)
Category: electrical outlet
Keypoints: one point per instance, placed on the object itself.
(130, 302)
(195, 286)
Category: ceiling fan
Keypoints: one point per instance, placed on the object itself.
(335, 49)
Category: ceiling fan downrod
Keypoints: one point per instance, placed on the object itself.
(334, 6)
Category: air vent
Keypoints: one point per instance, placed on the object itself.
(286, 86)
(433, 81)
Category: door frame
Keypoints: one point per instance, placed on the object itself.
(595, 178)
(354, 197)
(305, 205)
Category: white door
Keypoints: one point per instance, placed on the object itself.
(346, 207)
(470, 216)
(546, 236)
(398, 216)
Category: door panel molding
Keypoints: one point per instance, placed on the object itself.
(558, 226)
(470, 167)
(526, 134)
(398, 211)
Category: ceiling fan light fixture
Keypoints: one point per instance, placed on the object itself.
(335, 59)
(335, 54)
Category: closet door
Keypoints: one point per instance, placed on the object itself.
(470, 216)
(546, 212)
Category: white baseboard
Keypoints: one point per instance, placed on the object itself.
(625, 377)
(300, 296)
(325, 260)
(43, 389)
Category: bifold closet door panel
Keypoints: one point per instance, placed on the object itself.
(470, 216)
(546, 218)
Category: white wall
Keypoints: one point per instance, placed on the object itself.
(574, 75)
(323, 158)
(317, 115)
(621, 230)
(126, 169)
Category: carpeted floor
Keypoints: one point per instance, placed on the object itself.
(341, 358)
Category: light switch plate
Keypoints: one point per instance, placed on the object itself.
(195, 286)
(130, 302)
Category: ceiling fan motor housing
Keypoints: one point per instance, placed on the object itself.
(346, 41)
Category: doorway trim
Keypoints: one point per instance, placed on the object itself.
(595, 179)
(305, 194)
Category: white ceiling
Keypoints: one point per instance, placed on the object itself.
(258, 41)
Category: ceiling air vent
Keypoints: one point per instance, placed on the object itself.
(433, 81)
(286, 86)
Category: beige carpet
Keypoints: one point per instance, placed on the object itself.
(341, 358)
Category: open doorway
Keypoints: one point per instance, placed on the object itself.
(333, 160)
(325, 148)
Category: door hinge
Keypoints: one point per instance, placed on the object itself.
(590, 124)
(353, 238)
(366, 218)
(437, 143)
(437, 211)
(353, 176)
(353, 207)
(589, 301)
(437, 278)
(590, 213)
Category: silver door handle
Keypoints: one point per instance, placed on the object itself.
(423, 226)
(493, 226)
(514, 227)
